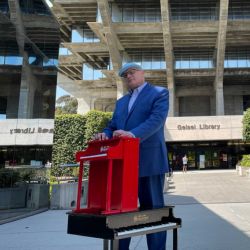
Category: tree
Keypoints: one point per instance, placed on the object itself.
(66, 104)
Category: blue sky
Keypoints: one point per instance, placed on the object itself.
(60, 92)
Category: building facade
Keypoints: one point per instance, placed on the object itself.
(29, 45)
(198, 49)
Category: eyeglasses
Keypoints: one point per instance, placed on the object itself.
(130, 72)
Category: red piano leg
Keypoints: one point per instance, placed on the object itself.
(79, 191)
(109, 186)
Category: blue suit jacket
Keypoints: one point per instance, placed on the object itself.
(146, 121)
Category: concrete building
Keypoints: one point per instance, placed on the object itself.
(29, 46)
(198, 49)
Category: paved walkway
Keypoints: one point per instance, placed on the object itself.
(214, 207)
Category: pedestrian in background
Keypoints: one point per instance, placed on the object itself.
(184, 163)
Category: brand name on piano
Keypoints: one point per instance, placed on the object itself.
(141, 218)
(104, 148)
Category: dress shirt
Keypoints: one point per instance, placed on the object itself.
(134, 95)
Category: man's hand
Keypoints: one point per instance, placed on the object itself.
(122, 133)
(100, 136)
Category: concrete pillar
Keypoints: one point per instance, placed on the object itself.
(221, 45)
(219, 101)
(27, 90)
(113, 42)
(177, 106)
(84, 105)
(169, 55)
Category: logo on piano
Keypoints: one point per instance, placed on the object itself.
(104, 148)
(141, 218)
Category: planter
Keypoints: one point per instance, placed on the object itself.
(243, 171)
(37, 196)
(63, 196)
(13, 197)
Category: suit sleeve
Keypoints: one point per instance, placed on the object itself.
(156, 118)
(111, 127)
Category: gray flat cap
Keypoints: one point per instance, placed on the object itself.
(127, 66)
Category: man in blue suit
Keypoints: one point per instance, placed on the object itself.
(142, 114)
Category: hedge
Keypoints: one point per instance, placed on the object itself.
(245, 162)
(71, 134)
(68, 138)
(246, 125)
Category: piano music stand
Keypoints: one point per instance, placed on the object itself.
(113, 176)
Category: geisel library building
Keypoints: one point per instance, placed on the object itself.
(29, 43)
(199, 50)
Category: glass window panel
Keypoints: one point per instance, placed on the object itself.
(163, 64)
(139, 14)
(87, 72)
(242, 63)
(32, 59)
(13, 60)
(146, 61)
(64, 51)
(97, 74)
(50, 62)
(96, 39)
(2, 116)
(88, 36)
(150, 14)
(204, 64)
(128, 14)
(225, 64)
(194, 64)
(195, 15)
(158, 15)
(210, 64)
(185, 64)
(116, 13)
(137, 59)
(232, 63)
(156, 62)
(248, 62)
(1, 59)
(77, 36)
(178, 64)
(98, 16)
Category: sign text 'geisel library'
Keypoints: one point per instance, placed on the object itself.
(199, 126)
(39, 130)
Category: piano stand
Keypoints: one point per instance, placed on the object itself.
(112, 228)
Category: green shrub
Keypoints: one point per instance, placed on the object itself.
(246, 125)
(96, 121)
(71, 134)
(245, 162)
(68, 138)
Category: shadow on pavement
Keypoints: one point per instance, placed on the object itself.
(210, 226)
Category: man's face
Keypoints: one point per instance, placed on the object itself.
(133, 78)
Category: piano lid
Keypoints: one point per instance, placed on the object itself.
(107, 149)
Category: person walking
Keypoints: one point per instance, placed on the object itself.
(142, 114)
(184, 163)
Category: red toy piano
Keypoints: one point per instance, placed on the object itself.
(113, 176)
